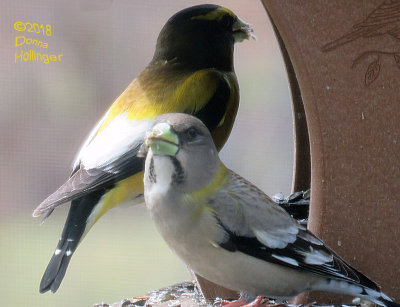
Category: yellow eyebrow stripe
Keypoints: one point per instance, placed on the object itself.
(217, 14)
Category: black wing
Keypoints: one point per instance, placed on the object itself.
(84, 181)
(307, 254)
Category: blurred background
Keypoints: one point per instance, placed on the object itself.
(48, 109)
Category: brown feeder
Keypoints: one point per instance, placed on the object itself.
(343, 63)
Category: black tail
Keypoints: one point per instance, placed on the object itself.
(378, 298)
(388, 303)
(72, 233)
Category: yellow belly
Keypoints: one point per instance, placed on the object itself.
(125, 190)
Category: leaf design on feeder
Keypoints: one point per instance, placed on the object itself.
(396, 57)
(372, 72)
(381, 21)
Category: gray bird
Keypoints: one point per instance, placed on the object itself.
(228, 231)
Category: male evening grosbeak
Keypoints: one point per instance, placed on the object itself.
(228, 231)
(191, 72)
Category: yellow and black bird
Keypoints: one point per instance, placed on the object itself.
(191, 72)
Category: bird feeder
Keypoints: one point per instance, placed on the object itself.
(343, 64)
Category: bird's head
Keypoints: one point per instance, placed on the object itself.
(183, 146)
(202, 36)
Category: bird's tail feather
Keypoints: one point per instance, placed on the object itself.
(357, 290)
(73, 232)
(389, 303)
(56, 268)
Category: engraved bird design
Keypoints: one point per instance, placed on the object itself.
(385, 19)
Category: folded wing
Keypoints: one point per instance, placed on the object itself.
(258, 227)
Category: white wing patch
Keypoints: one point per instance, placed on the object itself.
(310, 238)
(275, 240)
(317, 257)
(119, 136)
(88, 140)
(286, 259)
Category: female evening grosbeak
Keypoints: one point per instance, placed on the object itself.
(228, 231)
(191, 72)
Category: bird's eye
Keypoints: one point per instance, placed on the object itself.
(192, 133)
(226, 21)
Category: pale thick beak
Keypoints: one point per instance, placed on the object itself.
(242, 30)
(162, 140)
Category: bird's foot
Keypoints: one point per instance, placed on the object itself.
(258, 302)
(237, 303)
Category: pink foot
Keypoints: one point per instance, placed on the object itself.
(238, 303)
(258, 302)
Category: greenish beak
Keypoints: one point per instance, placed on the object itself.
(163, 140)
(242, 30)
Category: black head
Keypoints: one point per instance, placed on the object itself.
(201, 36)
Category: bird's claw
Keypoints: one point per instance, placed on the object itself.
(258, 302)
